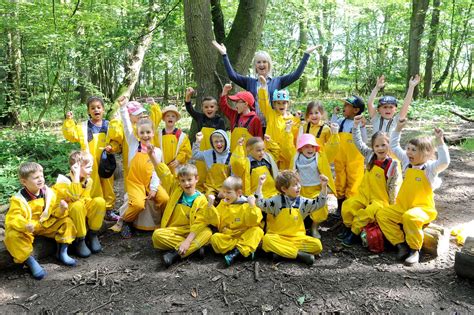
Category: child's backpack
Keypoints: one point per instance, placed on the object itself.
(372, 237)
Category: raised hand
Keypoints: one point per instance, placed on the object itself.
(323, 179)
(108, 148)
(263, 81)
(336, 110)
(251, 200)
(173, 164)
(358, 120)
(414, 80)
(122, 101)
(220, 47)
(298, 114)
(241, 141)
(310, 49)
(401, 124)
(189, 93)
(261, 179)
(150, 100)
(380, 82)
(334, 128)
(199, 136)
(439, 135)
(210, 200)
(288, 125)
(267, 138)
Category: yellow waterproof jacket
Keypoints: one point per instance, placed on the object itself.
(170, 183)
(42, 211)
(329, 143)
(175, 146)
(234, 218)
(71, 192)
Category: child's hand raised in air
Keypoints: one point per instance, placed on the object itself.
(288, 125)
(298, 114)
(439, 135)
(309, 50)
(173, 164)
(358, 120)
(334, 128)
(267, 138)
(414, 81)
(323, 179)
(380, 82)
(150, 150)
(69, 115)
(108, 148)
(220, 47)
(401, 124)
(189, 93)
(199, 137)
(261, 179)
(226, 89)
(210, 200)
(241, 141)
(251, 200)
(122, 101)
(336, 110)
(263, 81)
(151, 195)
(150, 100)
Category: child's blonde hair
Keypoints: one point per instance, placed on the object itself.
(144, 122)
(28, 168)
(232, 183)
(425, 146)
(252, 141)
(285, 178)
(372, 142)
(265, 56)
(81, 157)
(187, 170)
(319, 107)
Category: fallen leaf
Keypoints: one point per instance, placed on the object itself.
(300, 300)
(214, 279)
(194, 293)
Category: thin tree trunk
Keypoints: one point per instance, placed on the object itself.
(417, 24)
(218, 20)
(434, 25)
(303, 24)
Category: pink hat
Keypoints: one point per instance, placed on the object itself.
(305, 139)
(135, 108)
(244, 96)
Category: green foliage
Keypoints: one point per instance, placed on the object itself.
(41, 146)
(468, 145)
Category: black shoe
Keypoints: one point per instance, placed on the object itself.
(350, 240)
(402, 251)
(414, 257)
(345, 233)
(202, 252)
(305, 258)
(170, 258)
(276, 258)
(339, 206)
(231, 256)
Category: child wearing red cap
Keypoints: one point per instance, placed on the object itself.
(244, 122)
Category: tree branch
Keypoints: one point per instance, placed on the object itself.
(160, 22)
(76, 8)
(218, 20)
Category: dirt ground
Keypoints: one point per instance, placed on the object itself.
(128, 276)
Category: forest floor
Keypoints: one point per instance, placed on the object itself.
(129, 276)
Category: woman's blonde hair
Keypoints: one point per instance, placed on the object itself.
(265, 56)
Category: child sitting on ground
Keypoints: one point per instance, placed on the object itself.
(36, 210)
(142, 182)
(348, 163)
(415, 206)
(384, 118)
(216, 159)
(244, 122)
(379, 186)
(207, 122)
(285, 233)
(174, 143)
(86, 212)
(237, 220)
(92, 135)
(257, 162)
(183, 226)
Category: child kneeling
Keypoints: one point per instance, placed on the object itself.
(286, 234)
(35, 210)
(237, 220)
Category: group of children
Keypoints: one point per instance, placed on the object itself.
(235, 191)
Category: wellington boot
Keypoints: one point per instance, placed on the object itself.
(402, 251)
(306, 258)
(170, 258)
(315, 230)
(63, 257)
(344, 233)
(93, 242)
(231, 256)
(36, 270)
(81, 248)
(350, 240)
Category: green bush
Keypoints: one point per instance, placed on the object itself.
(41, 146)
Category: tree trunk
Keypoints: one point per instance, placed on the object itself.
(303, 24)
(324, 82)
(135, 60)
(417, 25)
(218, 20)
(434, 25)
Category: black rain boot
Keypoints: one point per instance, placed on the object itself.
(170, 258)
(337, 215)
(344, 233)
(306, 258)
(93, 242)
(402, 251)
(350, 240)
(231, 256)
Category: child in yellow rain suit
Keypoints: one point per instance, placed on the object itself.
(142, 181)
(91, 135)
(216, 159)
(237, 220)
(257, 162)
(244, 121)
(207, 122)
(285, 233)
(379, 186)
(86, 212)
(415, 206)
(348, 163)
(310, 161)
(174, 143)
(36, 210)
(118, 142)
(277, 118)
(183, 226)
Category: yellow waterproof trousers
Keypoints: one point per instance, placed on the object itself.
(246, 241)
(349, 167)
(91, 209)
(289, 246)
(171, 237)
(312, 192)
(20, 244)
(136, 200)
(356, 215)
(201, 165)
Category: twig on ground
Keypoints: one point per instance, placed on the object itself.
(19, 304)
(256, 271)
(103, 304)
